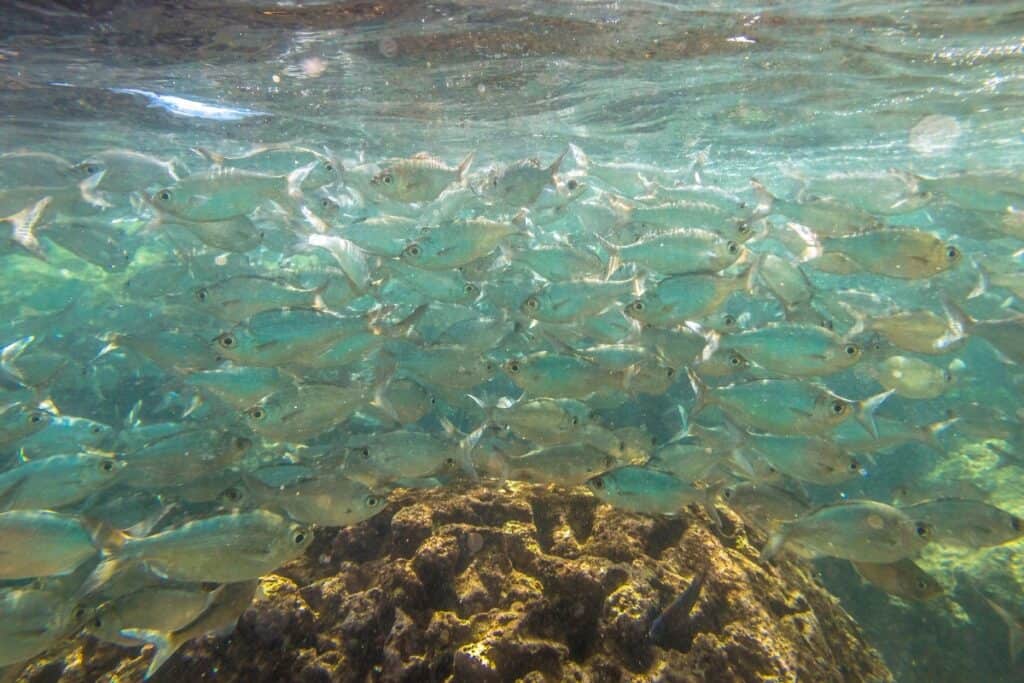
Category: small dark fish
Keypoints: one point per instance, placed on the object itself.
(672, 627)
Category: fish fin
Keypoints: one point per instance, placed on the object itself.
(460, 172)
(24, 224)
(11, 493)
(835, 264)
(87, 188)
(775, 543)
(929, 433)
(866, 411)
(466, 446)
(165, 644)
(351, 258)
(961, 323)
(684, 426)
(101, 575)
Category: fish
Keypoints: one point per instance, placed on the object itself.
(520, 184)
(672, 628)
(917, 331)
(151, 608)
(223, 193)
(60, 543)
(793, 350)
(859, 530)
(421, 178)
(902, 578)
(57, 481)
(66, 433)
(785, 406)
(18, 421)
(240, 386)
(458, 243)
(227, 603)
(813, 459)
(541, 419)
(301, 412)
(565, 464)
(684, 251)
(239, 297)
(22, 228)
(1014, 627)
(100, 244)
(324, 499)
(967, 523)
(559, 375)
(647, 491)
(764, 505)
(35, 619)
(36, 169)
(901, 253)
(573, 300)
(913, 377)
(125, 170)
(380, 459)
(226, 548)
(680, 298)
(1004, 335)
(180, 455)
(824, 215)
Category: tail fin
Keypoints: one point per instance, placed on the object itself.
(765, 199)
(460, 172)
(553, 168)
(10, 354)
(165, 644)
(24, 224)
(700, 390)
(775, 543)
(614, 260)
(961, 322)
(1015, 632)
(866, 411)
(466, 445)
(295, 179)
(928, 434)
(351, 258)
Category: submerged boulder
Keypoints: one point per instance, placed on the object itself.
(519, 583)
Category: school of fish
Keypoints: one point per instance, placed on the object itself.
(206, 358)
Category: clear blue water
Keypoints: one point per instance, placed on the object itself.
(842, 105)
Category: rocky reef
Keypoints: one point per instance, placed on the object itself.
(518, 583)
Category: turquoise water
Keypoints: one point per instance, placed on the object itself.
(322, 316)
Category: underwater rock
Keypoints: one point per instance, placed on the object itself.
(525, 582)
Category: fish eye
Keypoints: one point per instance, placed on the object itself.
(92, 168)
(532, 303)
(838, 407)
(637, 305)
(513, 367)
(826, 323)
(233, 494)
(922, 530)
(201, 294)
(226, 341)
(854, 465)
(299, 538)
(952, 253)
(328, 166)
(413, 250)
(851, 349)
(743, 228)
(488, 366)
(372, 501)
(164, 195)
(433, 400)
(242, 443)
(572, 184)
(948, 376)
(365, 452)
(728, 320)
(107, 466)
(921, 584)
(386, 179)
(325, 203)
(471, 289)
(733, 248)
(79, 613)
(449, 462)
(598, 483)
(35, 418)
(670, 372)
(257, 413)
(735, 360)
(96, 429)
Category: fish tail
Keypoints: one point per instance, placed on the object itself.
(684, 425)
(165, 644)
(10, 354)
(929, 433)
(765, 199)
(775, 543)
(553, 168)
(1014, 630)
(460, 172)
(866, 411)
(700, 391)
(215, 158)
(614, 260)
(960, 322)
(107, 569)
(294, 180)
(24, 224)
(87, 188)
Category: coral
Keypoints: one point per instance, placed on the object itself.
(523, 583)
